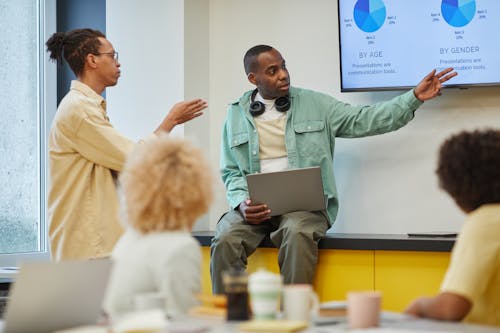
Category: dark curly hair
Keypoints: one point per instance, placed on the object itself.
(469, 168)
(74, 46)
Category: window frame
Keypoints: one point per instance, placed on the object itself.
(47, 105)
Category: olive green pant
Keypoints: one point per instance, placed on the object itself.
(296, 235)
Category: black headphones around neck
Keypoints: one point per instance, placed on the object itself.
(282, 104)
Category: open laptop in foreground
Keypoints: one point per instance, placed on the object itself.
(51, 296)
(289, 190)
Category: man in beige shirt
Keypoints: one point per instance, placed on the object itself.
(86, 152)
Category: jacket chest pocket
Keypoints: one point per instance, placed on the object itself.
(311, 126)
(240, 146)
(238, 139)
(311, 138)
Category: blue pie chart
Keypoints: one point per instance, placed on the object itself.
(369, 15)
(458, 13)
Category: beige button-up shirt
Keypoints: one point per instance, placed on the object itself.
(85, 155)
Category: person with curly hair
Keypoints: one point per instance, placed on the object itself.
(86, 152)
(469, 171)
(165, 186)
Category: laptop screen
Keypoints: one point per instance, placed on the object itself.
(289, 190)
(49, 296)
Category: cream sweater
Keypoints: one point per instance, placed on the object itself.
(164, 263)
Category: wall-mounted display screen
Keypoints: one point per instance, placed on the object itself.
(393, 44)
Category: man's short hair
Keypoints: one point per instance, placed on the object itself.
(166, 184)
(250, 58)
(469, 168)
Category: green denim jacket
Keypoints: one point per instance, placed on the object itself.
(314, 121)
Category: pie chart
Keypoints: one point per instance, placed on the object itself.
(458, 13)
(369, 15)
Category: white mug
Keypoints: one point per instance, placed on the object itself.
(300, 302)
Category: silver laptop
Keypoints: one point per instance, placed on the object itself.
(289, 190)
(51, 296)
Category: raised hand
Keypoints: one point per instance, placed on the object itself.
(182, 112)
(432, 83)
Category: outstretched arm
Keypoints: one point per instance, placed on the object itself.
(182, 112)
(432, 83)
(445, 306)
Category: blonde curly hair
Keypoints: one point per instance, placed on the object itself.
(166, 184)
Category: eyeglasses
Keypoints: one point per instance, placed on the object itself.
(113, 54)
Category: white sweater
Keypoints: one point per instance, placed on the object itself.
(168, 263)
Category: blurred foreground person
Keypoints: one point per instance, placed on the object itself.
(166, 186)
(469, 170)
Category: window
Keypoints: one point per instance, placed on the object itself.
(25, 83)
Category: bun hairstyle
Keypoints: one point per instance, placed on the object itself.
(74, 46)
(55, 46)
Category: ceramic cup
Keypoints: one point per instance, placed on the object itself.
(300, 302)
(265, 292)
(363, 309)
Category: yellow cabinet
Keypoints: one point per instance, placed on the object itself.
(338, 270)
(342, 270)
(265, 258)
(401, 276)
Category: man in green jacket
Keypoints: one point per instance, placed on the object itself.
(278, 127)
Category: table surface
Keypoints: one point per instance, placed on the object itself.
(390, 322)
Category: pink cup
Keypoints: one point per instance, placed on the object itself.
(363, 309)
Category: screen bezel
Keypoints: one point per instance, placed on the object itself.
(395, 88)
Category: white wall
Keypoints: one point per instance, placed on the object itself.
(149, 36)
(386, 183)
